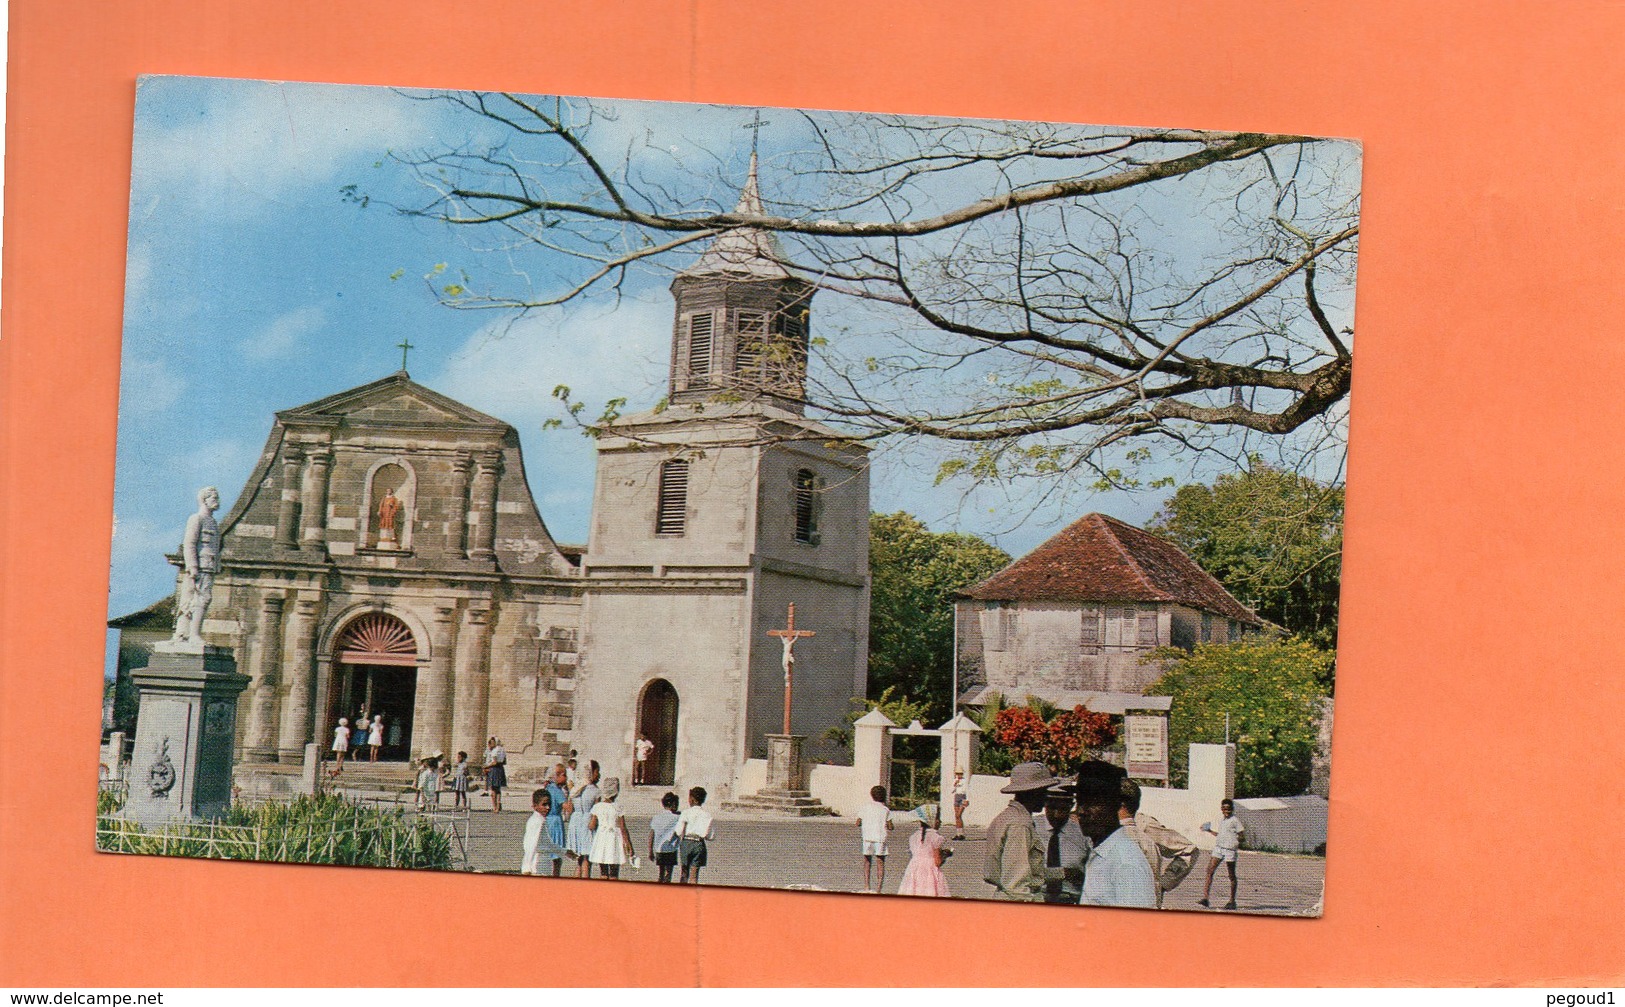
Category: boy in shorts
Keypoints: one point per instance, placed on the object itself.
(874, 821)
(663, 838)
(694, 830)
(1225, 844)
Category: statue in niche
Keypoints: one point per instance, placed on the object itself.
(389, 510)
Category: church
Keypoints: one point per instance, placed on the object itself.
(387, 555)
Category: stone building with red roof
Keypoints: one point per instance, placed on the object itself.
(1070, 621)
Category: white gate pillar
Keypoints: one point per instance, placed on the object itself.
(871, 755)
(958, 754)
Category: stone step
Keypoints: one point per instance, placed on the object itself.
(794, 803)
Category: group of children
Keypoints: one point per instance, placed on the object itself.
(677, 842)
(434, 776)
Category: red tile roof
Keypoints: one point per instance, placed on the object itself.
(1099, 558)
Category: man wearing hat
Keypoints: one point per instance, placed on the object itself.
(1015, 861)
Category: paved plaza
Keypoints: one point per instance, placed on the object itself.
(821, 854)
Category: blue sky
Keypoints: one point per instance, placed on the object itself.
(253, 286)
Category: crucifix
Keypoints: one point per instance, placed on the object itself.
(788, 636)
(405, 345)
(755, 127)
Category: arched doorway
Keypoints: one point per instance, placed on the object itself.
(375, 662)
(657, 721)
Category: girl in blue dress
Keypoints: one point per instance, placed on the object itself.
(579, 838)
(559, 798)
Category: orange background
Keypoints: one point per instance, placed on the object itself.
(1477, 807)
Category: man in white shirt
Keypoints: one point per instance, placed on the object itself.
(1226, 846)
(1064, 846)
(1116, 872)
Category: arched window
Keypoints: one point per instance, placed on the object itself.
(806, 506)
(671, 510)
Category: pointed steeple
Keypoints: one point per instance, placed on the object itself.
(748, 252)
(742, 317)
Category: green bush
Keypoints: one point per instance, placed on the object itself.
(1271, 690)
(321, 830)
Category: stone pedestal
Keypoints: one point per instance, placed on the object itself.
(785, 770)
(786, 791)
(185, 731)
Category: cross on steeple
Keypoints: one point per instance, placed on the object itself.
(755, 126)
(789, 635)
(405, 345)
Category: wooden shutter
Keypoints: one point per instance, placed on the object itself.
(1090, 638)
(700, 340)
(1148, 627)
(752, 334)
(671, 513)
(806, 503)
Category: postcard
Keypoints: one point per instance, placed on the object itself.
(694, 494)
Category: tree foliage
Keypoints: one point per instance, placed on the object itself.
(914, 574)
(1051, 298)
(1272, 537)
(1270, 689)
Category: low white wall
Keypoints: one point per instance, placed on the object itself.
(1288, 824)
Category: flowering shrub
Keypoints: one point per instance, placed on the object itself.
(1060, 743)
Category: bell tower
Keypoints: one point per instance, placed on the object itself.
(711, 514)
(742, 318)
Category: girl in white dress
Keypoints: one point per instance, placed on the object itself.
(611, 843)
(375, 737)
(341, 744)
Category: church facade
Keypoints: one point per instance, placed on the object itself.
(387, 556)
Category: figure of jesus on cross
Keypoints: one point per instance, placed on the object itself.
(788, 636)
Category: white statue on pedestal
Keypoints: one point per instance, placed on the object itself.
(200, 553)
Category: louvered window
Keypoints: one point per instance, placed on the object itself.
(700, 341)
(671, 513)
(1091, 630)
(806, 505)
(1148, 627)
(752, 337)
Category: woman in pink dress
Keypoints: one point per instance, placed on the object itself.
(923, 875)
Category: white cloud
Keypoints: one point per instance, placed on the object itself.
(249, 141)
(149, 387)
(281, 338)
(510, 369)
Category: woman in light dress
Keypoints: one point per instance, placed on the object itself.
(375, 737)
(923, 875)
(495, 764)
(578, 838)
(341, 744)
(611, 843)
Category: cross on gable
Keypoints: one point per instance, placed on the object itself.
(406, 346)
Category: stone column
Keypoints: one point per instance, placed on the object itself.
(473, 680)
(287, 508)
(459, 508)
(871, 755)
(431, 716)
(260, 740)
(958, 753)
(483, 504)
(314, 494)
(297, 726)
